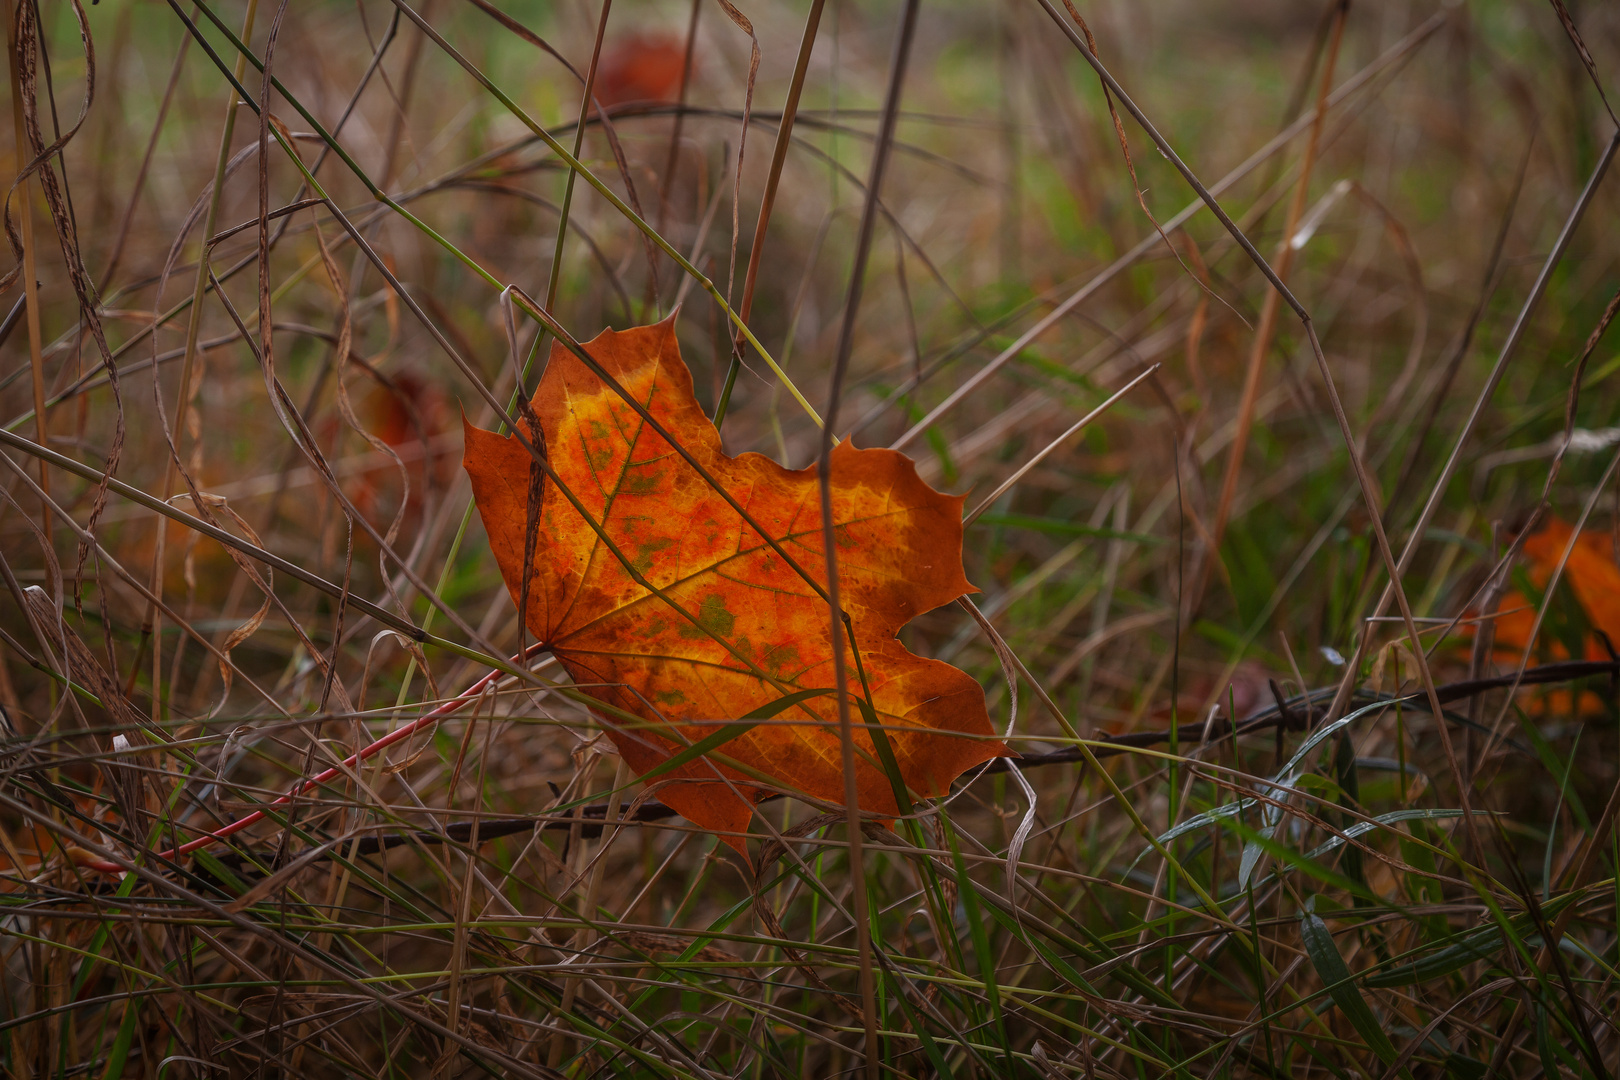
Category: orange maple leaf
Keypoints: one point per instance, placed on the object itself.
(641, 68)
(698, 618)
(1594, 578)
(1592, 575)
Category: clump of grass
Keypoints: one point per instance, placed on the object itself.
(1240, 840)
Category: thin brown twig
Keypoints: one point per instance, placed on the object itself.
(1282, 263)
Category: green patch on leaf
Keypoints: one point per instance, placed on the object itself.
(713, 617)
(645, 552)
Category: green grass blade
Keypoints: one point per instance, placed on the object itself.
(1325, 957)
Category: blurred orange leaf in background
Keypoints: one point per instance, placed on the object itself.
(640, 68)
(708, 622)
(1592, 575)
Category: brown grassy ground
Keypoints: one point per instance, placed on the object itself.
(1304, 899)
